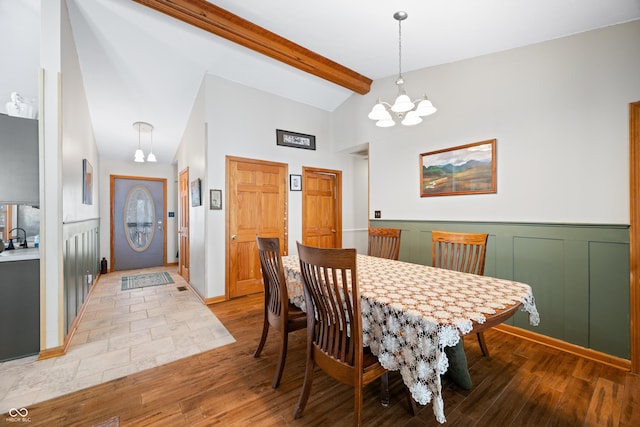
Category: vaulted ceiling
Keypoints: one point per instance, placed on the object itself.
(140, 64)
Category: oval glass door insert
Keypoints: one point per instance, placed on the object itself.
(139, 217)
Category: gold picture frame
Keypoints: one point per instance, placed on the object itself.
(466, 169)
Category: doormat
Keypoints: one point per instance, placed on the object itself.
(144, 280)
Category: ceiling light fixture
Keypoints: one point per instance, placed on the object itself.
(404, 109)
(139, 155)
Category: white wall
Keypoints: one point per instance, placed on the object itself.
(110, 167)
(78, 142)
(559, 112)
(244, 125)
(19, 49)
(191, 155)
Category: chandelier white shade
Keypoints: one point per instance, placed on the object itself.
(139, 154)
(405, 110)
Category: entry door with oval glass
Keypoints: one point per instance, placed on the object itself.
(138, 233)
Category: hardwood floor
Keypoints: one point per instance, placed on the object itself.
(522, 384)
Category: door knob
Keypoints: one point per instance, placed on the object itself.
(333, 230)
(234, 237)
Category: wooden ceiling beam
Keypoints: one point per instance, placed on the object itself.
(218, 21)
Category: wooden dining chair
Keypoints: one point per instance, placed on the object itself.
(334, 325)
(463, 252)
(278, 312)
(384, 242)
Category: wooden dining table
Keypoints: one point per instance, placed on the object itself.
(411, 312)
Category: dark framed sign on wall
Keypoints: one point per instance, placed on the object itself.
(296, 140)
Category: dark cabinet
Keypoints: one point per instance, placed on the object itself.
(19, 148)
(19, 309)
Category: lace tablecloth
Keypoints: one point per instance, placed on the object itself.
(411, 312)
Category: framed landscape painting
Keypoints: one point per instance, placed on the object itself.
(87, 182)
(467, 169)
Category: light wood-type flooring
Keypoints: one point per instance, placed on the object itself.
(522, 384)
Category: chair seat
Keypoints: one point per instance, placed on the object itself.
(297, 319)
(370, 361)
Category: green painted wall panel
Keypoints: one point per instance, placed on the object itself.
(539, 263)
(576, 313)
(609, 298)
(579, 274)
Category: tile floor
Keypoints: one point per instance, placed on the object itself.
(121, 332)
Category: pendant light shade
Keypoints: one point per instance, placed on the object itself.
(379, 112)
(402, 104)
(412, 118)
(425, 107)
(139, 156)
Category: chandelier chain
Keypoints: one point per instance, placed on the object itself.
(400, 49)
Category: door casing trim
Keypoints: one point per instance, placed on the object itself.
(112, 179)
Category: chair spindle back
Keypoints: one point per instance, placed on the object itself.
(384, 242)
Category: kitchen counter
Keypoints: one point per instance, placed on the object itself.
(20, 254)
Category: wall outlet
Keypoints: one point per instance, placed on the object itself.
(377, 214)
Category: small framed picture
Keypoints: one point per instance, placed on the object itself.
(87, 182)
(215, 199)
(196, 200)
(295, 182)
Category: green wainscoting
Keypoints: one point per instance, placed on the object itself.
(81, 265)
(579, 274)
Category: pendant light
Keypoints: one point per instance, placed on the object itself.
(151, 157)
(408, 112)
(139, 155)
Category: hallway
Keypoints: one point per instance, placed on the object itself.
(121, 332)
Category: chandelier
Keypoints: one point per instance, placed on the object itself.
(408, 112)
(144, 127)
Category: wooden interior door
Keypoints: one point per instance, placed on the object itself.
(257, 205)
(183, 224)
(322, 207)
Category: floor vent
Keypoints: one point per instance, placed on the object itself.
(182, 288)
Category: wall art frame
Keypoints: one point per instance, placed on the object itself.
(215, 200)
(295, 182)
(296, 140)
(87, 182)
(196, 194)
(465, 169)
